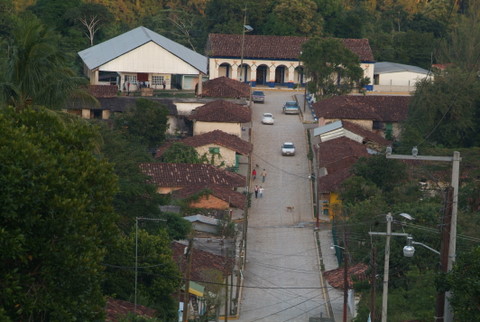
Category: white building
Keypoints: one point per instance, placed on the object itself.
(143, 58)
(398, 77)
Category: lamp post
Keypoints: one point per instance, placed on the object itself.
(455, 159)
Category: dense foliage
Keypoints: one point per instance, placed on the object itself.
(57, 219)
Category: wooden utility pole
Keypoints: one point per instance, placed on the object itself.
(445, 228)
(373, 284)
(187, 280)
(345, 275)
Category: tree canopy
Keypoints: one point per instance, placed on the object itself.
(57, 219)
(332, 68)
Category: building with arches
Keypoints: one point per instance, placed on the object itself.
(270, 60)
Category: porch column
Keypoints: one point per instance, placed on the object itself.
(271, 75)
(234, 72)
(253, 75)
(291, 76)
(199, 88)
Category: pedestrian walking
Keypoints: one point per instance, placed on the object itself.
(260, 192)
(254, 174)
(264, 175)
(256, 191)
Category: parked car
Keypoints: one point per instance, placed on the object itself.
(291, 107)
(268, 118)
(258, 97)
(288, 148)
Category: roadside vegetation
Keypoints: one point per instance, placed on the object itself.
(71, 189)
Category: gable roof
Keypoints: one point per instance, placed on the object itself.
(185, 174)
(337, 156)
(218, 137)
(118, 309)
(336, 278)
(203, 219)
(225, 87)
(274, 47)
(234, 198)
(384, 108)
(201, 261)
(332, 131)
(108, 50)
(222, 111)
(388, 67)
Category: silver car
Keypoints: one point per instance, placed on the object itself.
(288, 148)
(258, 97)
(267, 118)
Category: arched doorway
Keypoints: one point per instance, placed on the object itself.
(300, 75)
(280, 75)
(243, 73)
(262, 72)
(224, 70)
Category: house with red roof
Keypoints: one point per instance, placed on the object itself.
(220, 115)
(381, 114)
(335, 159)
(224, 87)
(211, 197)
(221, 147)
(168, 177)
(270, 60)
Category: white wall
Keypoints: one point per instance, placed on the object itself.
(149, 58)
(400, 78)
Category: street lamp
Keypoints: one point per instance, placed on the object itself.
(455, 159)
(246, 28)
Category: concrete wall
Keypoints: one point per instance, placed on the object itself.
(227, 156)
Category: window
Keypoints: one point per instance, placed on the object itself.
(132, 79)
(157, 80)
(377, 125)
(214, 150)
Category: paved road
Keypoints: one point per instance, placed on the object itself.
(282, 281)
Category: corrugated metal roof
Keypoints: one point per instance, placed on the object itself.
(327, 128)
(108, 50)
(388, 67)
(202, 219)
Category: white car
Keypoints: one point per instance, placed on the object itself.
(268, 118)
(288, 148)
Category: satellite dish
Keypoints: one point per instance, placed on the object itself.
(406, 216)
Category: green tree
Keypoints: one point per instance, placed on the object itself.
(444, 112)
(57, 219)
(464, 284)
(35, 68)
(146, 122)
(383, 172)
(158, 274)
(332, 68)
(180, 153)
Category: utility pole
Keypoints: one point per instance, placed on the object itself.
(186, 298)
(345, 275)
(386, 269)
(373, 283)
(444, 248)
(388, 234)
(448, 315)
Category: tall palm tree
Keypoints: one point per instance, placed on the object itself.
(35, 69)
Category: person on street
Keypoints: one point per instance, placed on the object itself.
(254, 174)
(264, 175)
(256, 191)
(260, 192)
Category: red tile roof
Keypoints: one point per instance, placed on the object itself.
(103, 90)
(367, 135)
(274, 47)
(118, 309)
(222, 111)
(183, 175)
(384, 108)
(218, 137)
(234, 198)
(337, 156)
(201, 261)
(336, 278)
(225, 87)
